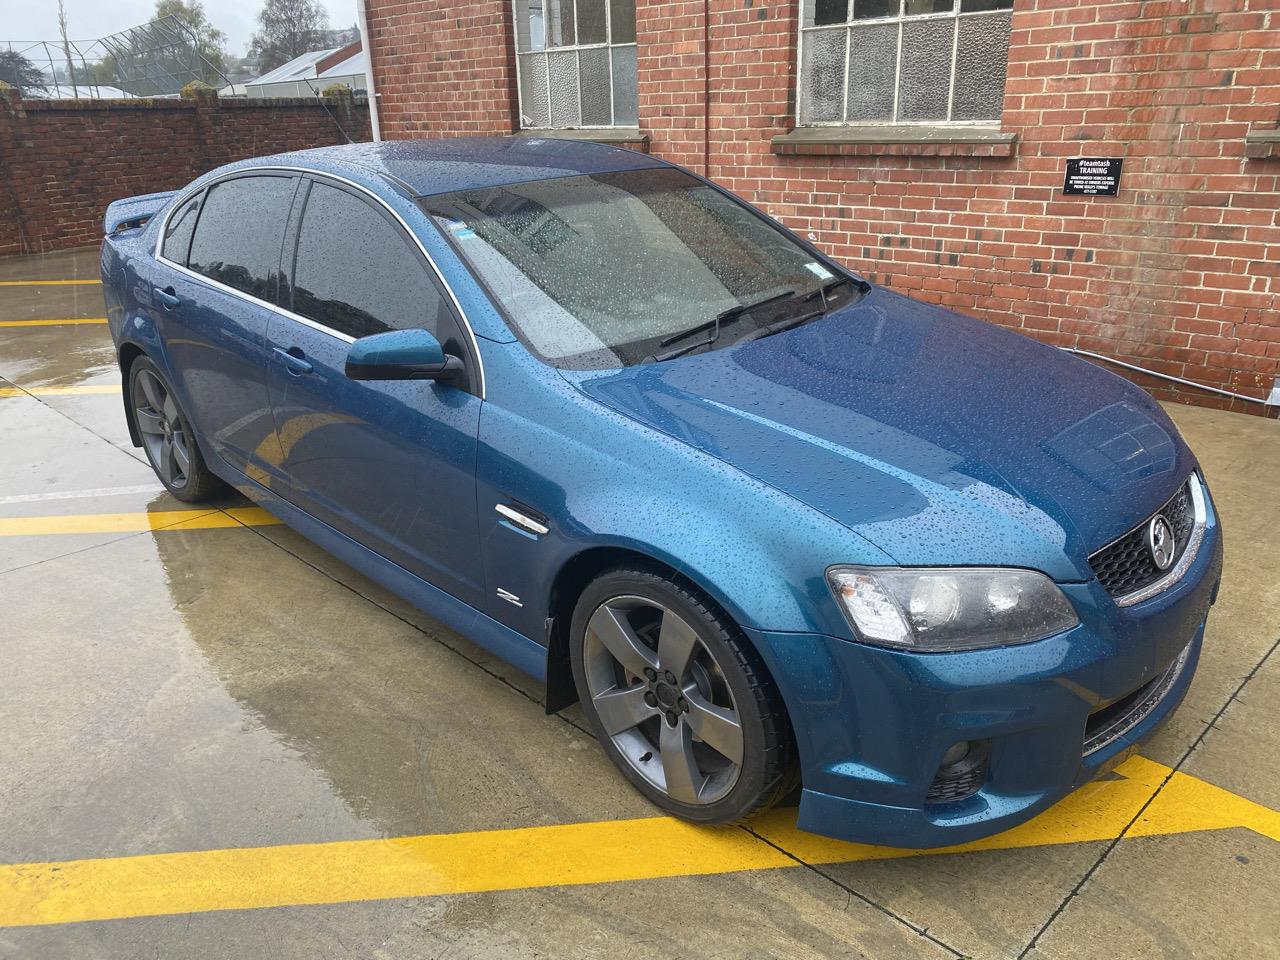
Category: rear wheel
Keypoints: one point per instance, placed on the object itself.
(678, 699)
(166, 435)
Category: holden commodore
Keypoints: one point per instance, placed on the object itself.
(774, 526)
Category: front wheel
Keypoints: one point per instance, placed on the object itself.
(166, 435)
(678, 699)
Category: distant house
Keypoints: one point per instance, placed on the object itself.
(309, 74)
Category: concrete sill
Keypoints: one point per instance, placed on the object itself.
(617, 136)
(1262, 144)
(893, 140)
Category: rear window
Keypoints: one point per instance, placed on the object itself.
(239, 233)
(178, 231)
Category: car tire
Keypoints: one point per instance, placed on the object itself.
(166, 435)
(681, 751)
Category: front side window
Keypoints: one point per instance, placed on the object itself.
(355, 272)
(238, 236)
(903, 61)
(576, 60)
(613, 269)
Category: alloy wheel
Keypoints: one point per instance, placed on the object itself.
(663, 699)
(164, 431)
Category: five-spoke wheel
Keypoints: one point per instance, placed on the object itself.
(166, 435)
(663, 699)
(164, 432)
(678, 698)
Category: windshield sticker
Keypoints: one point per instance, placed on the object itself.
(819, 271)
(460, 230)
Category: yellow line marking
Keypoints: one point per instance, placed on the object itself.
(69, 321)
(580, 853)
(47, 283)
(59, 391)
(135, 522)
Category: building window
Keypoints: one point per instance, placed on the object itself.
(903, 61)
(576, 60)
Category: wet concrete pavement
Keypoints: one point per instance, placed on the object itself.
(235, 688)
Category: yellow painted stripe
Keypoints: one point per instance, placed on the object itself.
(135, 522)
(96, 388)
(48, 283)
(581, 853)
(69, 321)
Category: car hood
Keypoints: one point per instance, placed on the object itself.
(938, 438)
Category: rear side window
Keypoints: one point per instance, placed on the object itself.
(238, 236)
(356, 273)
(177, 232)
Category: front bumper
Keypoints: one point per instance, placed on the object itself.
(872, 724)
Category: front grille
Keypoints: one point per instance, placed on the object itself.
(1125, 565)
(1116, 719)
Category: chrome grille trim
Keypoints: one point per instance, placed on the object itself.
(1193, 491)
(1189, 552)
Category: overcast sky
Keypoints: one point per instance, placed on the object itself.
(90, 19)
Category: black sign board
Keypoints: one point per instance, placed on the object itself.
(1094, 176)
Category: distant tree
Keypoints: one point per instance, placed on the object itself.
(210, 41)
(287, 29)
(66, 47)
(17, 71)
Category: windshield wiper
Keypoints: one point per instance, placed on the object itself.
(724, 316)
(788, 323)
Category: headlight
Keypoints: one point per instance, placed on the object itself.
(950, 608)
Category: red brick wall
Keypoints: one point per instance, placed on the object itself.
(1179, 273)
(62, 162)
(443, 68)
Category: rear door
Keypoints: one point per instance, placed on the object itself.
(213, 312)
(390, 464)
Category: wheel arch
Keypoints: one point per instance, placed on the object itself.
(128, 352)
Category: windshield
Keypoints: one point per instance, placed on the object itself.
(610, 269)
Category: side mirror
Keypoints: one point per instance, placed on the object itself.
(401, 355)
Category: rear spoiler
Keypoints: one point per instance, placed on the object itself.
(134, 212)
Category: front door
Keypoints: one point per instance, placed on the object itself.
(390, 464)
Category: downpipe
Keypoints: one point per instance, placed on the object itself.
(375, 127)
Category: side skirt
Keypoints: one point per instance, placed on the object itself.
(500, 640)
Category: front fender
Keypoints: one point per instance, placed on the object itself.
(602, 481)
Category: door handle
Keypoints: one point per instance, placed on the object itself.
(295, 361)
(167, 297)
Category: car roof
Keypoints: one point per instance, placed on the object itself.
(434, 166)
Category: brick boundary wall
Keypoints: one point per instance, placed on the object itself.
(1179, 273)
(63, 161)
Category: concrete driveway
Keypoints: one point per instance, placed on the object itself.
(217, 741)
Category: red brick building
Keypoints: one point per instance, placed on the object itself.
(925, 142)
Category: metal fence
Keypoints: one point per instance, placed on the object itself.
(155, 59)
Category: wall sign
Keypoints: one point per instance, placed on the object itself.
(1093, 176)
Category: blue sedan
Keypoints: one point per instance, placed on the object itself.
(775, 527)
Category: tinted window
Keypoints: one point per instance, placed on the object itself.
(355, 271)
(238, 236)
(177, 232)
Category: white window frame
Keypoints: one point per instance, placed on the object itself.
(576, 49)
(897, 19)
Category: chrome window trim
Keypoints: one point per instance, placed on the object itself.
(1179, 569)
(281, 311)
